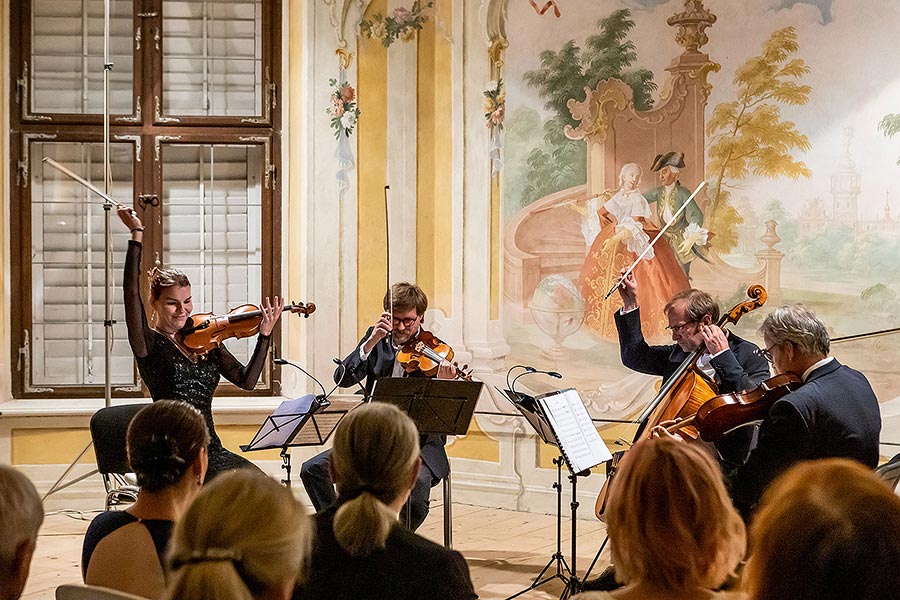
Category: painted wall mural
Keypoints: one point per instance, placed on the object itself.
(617, 109)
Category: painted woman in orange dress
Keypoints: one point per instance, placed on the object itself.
(627, 228)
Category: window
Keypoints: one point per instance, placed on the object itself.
(193, 146)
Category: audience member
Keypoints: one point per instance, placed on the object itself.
(244, 537)
(21, 515)
(360, 549)
(673, 531)
(124, 550)
(826, 530)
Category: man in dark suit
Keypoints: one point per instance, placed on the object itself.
(833, 414)
(373, 358)
(728, 360)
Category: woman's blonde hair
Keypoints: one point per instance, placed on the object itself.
(376, 448)
(826, 529)
(243, 534)
(670, 520)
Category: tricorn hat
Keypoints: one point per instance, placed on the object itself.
(669, 159)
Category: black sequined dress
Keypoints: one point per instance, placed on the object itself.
(171, 375)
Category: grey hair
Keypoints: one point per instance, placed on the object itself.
(628, 166)
(798, 325)
(21, 514)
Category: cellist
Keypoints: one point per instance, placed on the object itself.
(733, 363)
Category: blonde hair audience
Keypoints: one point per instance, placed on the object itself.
(244, 537)
(21, 515)
(673, 531)
(124, 550)
(360, 549)
(826, 530)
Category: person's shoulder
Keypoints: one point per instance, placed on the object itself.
(108, 521)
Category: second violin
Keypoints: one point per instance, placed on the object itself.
(424, 353)
(203, 332)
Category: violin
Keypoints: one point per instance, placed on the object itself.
(682, 394)
(204, 331)
(424, 353)
(724, 413)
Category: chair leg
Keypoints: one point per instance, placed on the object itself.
(448, 514)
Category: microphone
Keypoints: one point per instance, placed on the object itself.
(529, 371)
(323, 398)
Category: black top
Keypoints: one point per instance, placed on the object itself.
(170, 375)
(408, 568)
(108, 522)
(834, 414)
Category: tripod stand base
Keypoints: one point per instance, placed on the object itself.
(563, 573)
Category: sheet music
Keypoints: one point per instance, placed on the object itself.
(578, 439)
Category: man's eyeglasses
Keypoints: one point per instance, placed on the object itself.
(677, 328)
(766, 353)
(407, 323)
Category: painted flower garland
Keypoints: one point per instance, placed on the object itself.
(402, 24)
(343, 110)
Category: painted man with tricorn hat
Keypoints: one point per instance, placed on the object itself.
(687, 236)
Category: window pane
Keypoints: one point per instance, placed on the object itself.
(67, 268)
(212, 219)
(212, 57)
(67, 56)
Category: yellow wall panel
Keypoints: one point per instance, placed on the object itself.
(50, 446)
(476, 446)
(371, 152)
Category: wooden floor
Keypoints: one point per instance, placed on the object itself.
(505, 549)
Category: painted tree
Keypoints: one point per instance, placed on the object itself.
(561, 163)
(747, 136)
(890, 126)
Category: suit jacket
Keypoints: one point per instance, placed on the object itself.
(833, 414)
(736, 371)
(408, 568)
(380, 363)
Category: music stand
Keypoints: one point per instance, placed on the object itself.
(561, 420)
(305, 421)
(437, 407)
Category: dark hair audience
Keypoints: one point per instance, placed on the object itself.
(124, 550)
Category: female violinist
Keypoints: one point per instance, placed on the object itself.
(169, 368)
(375, 357)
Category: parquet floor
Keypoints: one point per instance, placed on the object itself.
(505, 550)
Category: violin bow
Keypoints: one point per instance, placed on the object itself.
(87, 184)
(650, 245)
(387, 250)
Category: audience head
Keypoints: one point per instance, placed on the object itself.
(244, 537)
(826, 530)
(21, 515)
(670, 520)
(795, 338)
(374, 462)
(167, 443)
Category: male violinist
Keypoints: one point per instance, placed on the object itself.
(733, 363)
(375, 357)
(834, 413)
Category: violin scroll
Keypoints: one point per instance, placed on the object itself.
(301, 308)
(758, 297)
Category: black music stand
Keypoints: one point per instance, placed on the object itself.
(437, 407)
(536, 413)
(305, 421)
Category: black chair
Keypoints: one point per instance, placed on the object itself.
(890, 472)
(108, 428)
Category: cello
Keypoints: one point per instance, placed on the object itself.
(682, 395)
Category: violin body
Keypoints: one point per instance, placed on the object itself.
(205, 331)
(724, 413)
(424, 354)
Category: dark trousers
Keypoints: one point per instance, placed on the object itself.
(316, 479)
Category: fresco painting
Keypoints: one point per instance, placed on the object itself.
(617, 109)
